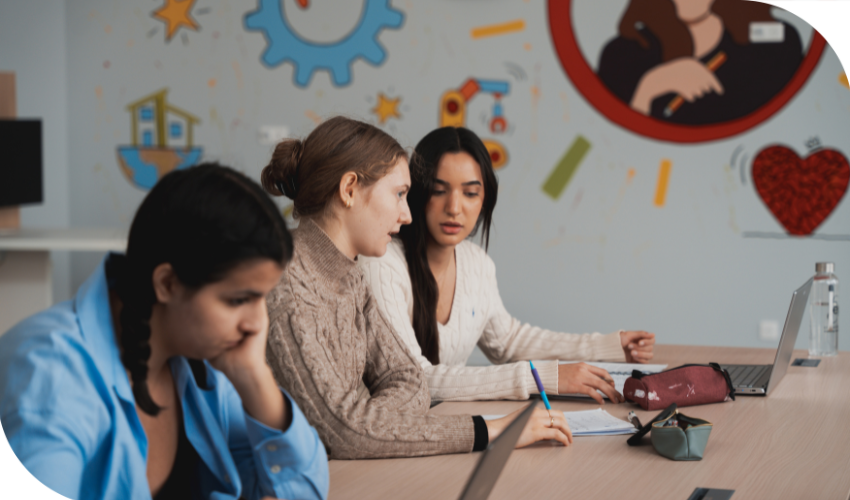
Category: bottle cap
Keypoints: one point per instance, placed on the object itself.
(825, 267)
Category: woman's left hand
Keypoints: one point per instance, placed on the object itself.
(637, 345)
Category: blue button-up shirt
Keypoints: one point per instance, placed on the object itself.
(68, 411)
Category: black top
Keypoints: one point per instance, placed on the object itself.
(183, 478)
(751, 75)
(482, 435)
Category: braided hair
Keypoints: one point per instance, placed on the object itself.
(204, 221)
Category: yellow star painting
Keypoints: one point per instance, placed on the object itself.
(176, 14)
(386, 108)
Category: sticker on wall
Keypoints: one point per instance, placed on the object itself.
(176, 14)
(453, 112)
(801, 193)
(162, 140)
(653, 75)
(307, 57)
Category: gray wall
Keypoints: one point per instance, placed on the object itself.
(601, 257)
(32, 44)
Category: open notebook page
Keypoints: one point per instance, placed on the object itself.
(596, 422)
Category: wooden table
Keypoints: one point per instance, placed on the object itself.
(794, 443)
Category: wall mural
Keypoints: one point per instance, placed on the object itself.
(162, 140)
(386, 108)
(176, 14)
(657, 80)
(800, 192)
(453, 112)
(284, 44)
(566, 168)
(646, 72)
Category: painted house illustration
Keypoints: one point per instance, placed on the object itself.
(162, 140)
(158, 124)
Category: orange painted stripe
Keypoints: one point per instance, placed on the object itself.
(498, 29)
(663, 179)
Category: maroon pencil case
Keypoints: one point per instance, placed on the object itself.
(685, 385)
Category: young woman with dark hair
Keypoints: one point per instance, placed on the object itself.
(438, 290)
(152, 381)
(665, 48)
(328, 345)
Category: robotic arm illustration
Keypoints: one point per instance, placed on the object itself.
(453, 112)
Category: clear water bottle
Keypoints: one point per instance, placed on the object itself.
(823, 311)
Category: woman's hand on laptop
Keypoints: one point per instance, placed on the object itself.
(581, 378)
(637, 345)
(540, 427)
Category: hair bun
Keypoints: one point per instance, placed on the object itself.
(291, 184)
(280, 176)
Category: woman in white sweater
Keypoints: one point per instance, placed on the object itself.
(439, 291)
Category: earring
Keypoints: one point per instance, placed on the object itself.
(348, 203)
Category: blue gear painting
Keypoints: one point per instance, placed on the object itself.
(308, 57)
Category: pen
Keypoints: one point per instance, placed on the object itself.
(634, 420)
(712, 65)
(539, 386)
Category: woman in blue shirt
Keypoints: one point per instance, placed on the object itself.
(152, 381)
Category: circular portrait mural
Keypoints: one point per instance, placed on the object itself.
(684, 70)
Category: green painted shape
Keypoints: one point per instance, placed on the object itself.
(564, 170)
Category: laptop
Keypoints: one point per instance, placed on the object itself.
(758, 379)
(494, 458)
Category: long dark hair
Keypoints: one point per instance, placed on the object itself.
(309, 171)
(204, 221)
(423, 169)
(660, 17)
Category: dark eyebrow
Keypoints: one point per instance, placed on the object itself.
(469, 183)
(250, 293)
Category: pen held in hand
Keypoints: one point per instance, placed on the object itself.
(677, 101)
(539, 385)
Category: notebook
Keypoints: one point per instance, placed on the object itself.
(596, 422)
(618, 371)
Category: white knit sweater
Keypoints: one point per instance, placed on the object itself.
(478, 316)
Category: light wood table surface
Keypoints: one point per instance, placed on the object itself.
(794, 443)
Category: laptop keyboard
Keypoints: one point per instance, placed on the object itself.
(746, 375)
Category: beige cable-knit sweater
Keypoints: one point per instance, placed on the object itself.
(327, 339)
(478, 316)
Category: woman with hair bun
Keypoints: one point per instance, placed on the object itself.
(152, 381)
(328, 344)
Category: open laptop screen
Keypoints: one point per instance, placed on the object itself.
(789, 333)
(494, 458)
